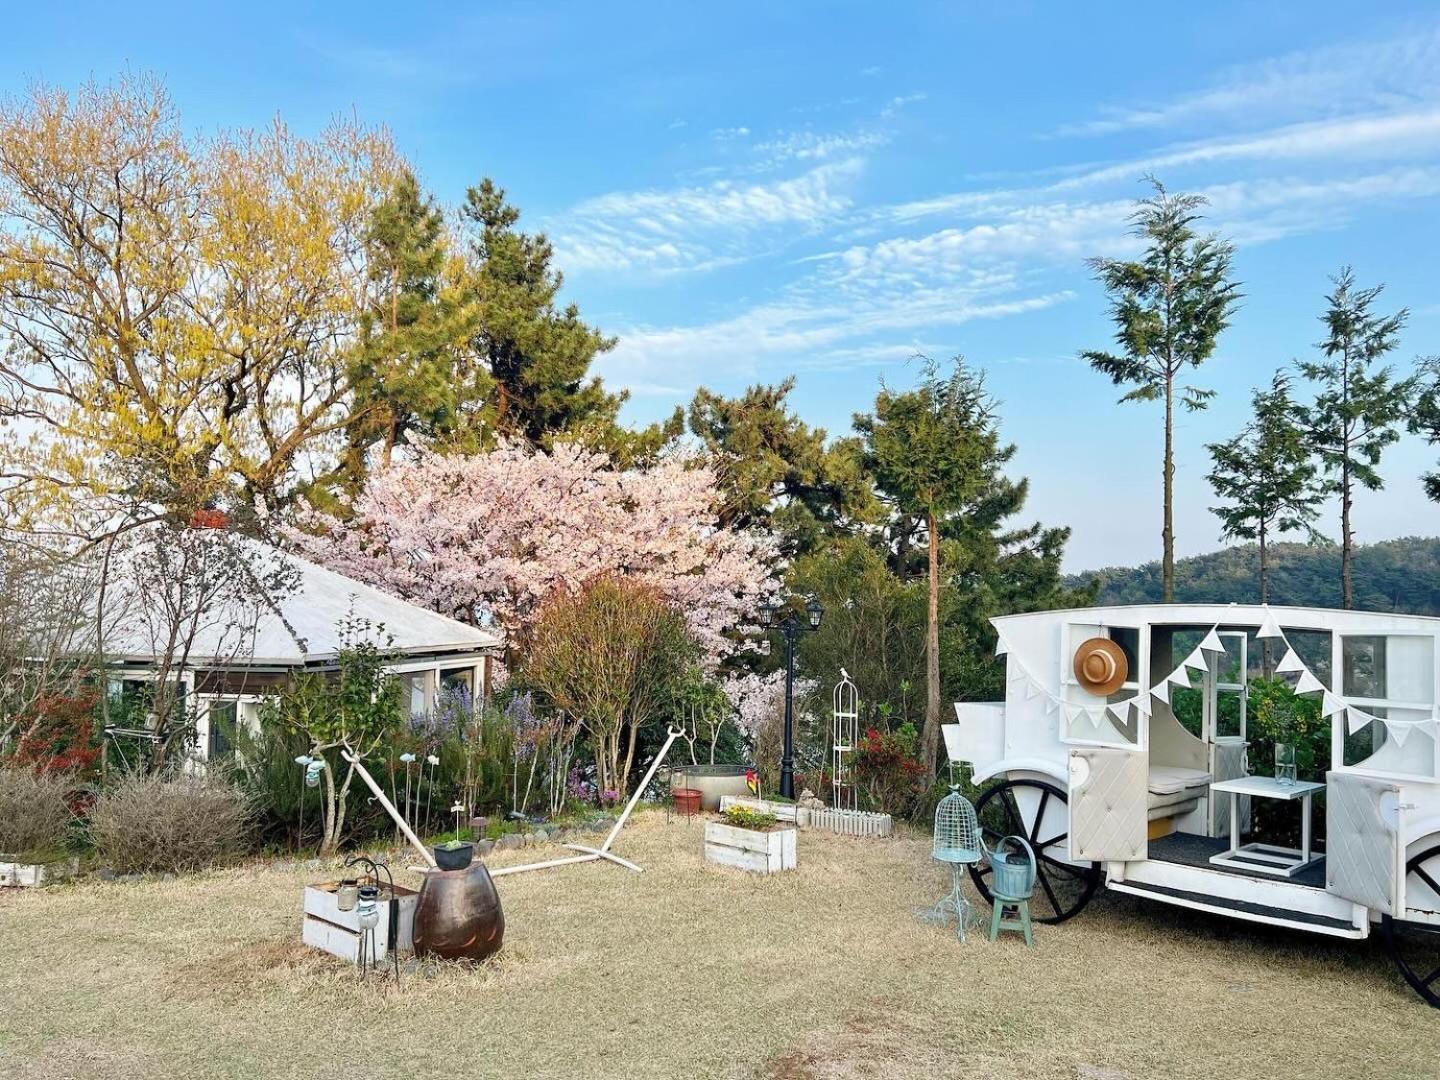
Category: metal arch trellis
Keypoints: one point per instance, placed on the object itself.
(844, 734)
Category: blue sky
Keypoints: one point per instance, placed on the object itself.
(748, 191)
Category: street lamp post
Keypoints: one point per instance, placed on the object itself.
(791, 625)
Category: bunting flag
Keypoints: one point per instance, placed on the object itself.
(1400, 732)
(1330, 704)
(1269, 628)
(1031, 690)
(1290, 662)
(1197, 660)
(1161, 691)
(1308, 683)
(1212, 642)
(1355, 719)
(1180, 676)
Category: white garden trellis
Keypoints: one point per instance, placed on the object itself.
(844, 734)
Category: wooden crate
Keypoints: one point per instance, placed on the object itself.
(338, 932)
(750, 849)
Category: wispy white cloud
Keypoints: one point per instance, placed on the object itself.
(818, 146)
(1353, 77)
(699, 227)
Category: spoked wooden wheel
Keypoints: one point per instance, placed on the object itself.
(1415, 947)
(1040, 812)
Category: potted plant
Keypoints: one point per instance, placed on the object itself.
(750, 839)
(454, 854)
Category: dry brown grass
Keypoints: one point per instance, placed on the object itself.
(691, 971)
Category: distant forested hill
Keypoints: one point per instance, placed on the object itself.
(1397, 575)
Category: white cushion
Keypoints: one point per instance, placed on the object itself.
(1171, 779)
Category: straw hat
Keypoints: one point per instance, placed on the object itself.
(1100, 666)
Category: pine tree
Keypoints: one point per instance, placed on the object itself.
(537, 353)
(1266, 478)
(1358, 407)
(1169, 309)
(935, 452)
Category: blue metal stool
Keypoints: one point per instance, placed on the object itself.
(1011, 886)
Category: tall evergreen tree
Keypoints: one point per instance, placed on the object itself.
(1425, 417)
(412, 333)
(935, 452)
(1358, 406)
(1169, 308)
(1265, 477)
(537, 352)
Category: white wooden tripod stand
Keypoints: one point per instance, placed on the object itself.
(590, 854)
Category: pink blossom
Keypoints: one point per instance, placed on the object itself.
(494, 534)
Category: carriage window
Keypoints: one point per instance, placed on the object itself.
(1312, 646)
(1391, 676)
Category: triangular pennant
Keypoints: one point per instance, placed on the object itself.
(1308, 683)
(1330, 704)
(1119, 709)
(1096, 717)
(1289, 662)
(1269, 628)
(1355, 719)
(1398, 730)
(1051, 705)
(1017, 673)
(1162, 691)
(1032, 689)
(1212, 643)
(1196, 660)
(1180, 676)
(1141, 703)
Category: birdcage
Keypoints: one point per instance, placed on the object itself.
(956, 843)
(844, 734)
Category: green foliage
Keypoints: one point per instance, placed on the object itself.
(1265, 477)
(1358, 407)
(1169, 309)
(776, 470)
(1395, 575)
(745, 817)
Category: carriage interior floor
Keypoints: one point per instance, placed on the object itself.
(1188, 849)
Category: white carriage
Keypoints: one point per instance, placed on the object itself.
(1132, 779)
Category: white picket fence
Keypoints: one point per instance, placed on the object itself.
(844, 822)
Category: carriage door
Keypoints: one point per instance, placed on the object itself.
(1108, 804)
(1364, 858)
(1226, 700)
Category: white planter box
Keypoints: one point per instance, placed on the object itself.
(338, 932)
(750, 849)
(31, 875)
(779, 810)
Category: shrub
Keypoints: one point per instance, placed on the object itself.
(149, 823)
(890, 774)
(34, 811)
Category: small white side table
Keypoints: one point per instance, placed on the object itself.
(1267, 858)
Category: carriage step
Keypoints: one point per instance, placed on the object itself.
(1244, 909)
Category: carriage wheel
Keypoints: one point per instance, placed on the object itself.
(1415, 947)
(1040, 812)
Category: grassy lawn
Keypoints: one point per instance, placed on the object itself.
(690, 971)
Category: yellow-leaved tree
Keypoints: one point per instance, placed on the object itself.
(178, 314)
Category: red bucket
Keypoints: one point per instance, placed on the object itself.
(687, 800)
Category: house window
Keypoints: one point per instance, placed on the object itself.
(222, 716)
(457, 679)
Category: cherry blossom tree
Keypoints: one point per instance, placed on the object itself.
(495, 534)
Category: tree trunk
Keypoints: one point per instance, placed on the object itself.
(1347, 539)
(1264, 599)
(930, 742)
(1167, 533)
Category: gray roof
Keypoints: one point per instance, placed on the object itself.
(290, 627)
